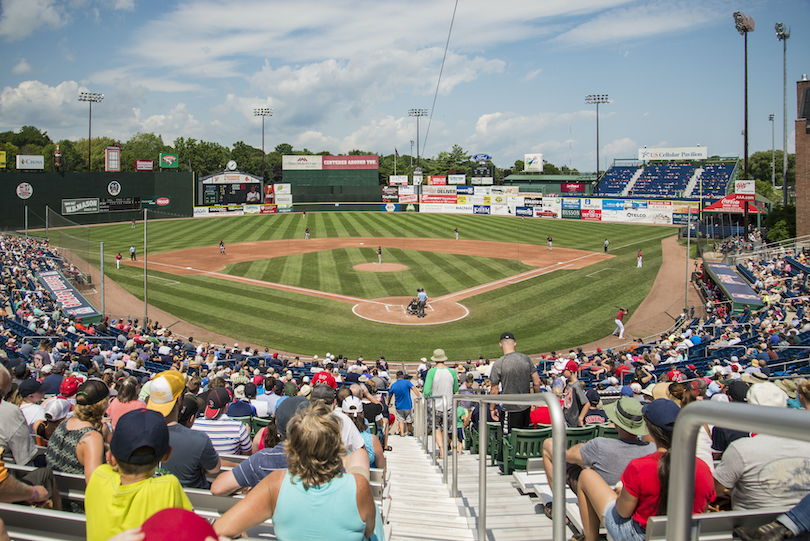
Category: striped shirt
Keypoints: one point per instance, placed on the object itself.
(229, 437)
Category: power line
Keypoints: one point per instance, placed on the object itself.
(441, 70)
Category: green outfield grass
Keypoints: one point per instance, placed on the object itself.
(554, 311)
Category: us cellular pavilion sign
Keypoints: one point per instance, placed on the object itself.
(675, 153)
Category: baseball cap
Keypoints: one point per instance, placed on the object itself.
(737, 390)
(507, 336)
(592, 396)
(627, 391)
(662, 413)
(189, 409)
(59, 367)
(47, 369)
(250, 390)
(164, 391)
(571, 366)
(322, 392)
(56, 408)
(291, 389)
(69, 386)
(218, 400)
(31, 386)
(19, 370)
(92, 392)
(626, 413)
(767, 394)
(288, 408)
(352, 405)
(185, 526)
(136, 429)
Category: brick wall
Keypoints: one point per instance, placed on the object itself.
(802, 167)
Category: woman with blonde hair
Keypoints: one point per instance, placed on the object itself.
(313, 485)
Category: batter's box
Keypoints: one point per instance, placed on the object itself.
(404, 307)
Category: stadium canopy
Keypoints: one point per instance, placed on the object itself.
(732, 204)
(734, 288)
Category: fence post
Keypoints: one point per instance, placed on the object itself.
(101, 269)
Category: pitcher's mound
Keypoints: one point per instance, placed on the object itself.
(385, 267)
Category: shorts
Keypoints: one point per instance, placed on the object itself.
(438, 419)
(405, 416)
(619, 527)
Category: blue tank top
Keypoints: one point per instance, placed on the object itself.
(366, 434)
(328, 511)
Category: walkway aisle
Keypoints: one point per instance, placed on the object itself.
(421, 507)
(510, 515)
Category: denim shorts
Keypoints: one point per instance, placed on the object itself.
(620, 528)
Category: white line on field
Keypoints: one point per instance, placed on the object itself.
(597, 272)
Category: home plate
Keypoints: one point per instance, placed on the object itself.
(362, 243)
(188, 268)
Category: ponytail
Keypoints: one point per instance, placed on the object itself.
(663, 438)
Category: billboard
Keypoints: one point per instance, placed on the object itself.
(87, 205)
(301, 163)
(71, 301)
(675, 153)
(572, 187)
(457, 179)
(112, 159)
(533, 162)
(30, 162)
(144, 165)
(398, 180)
(390, 194)
(370, 161)
(745, 190)
(437, 181)
(168, 161)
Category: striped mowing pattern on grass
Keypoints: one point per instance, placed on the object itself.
(553, 311)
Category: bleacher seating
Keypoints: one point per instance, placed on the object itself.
(668, 180)
(715, 179)
(616, 178)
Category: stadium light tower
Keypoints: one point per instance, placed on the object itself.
(90, 97)
(782, 34)
(417, 113)
(596, 99)
(262, 112)
(744, 25)
(773, 152)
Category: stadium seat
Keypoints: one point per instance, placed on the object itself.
(522, 444)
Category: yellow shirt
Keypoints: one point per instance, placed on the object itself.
(112, 508)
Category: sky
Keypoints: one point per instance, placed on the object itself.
(341, 75)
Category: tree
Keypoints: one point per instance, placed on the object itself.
(204, 156)
(760, 163)
(28, 135)
(519, 166)
(285, 149)
(248, 158)
(141, 146)
(71, 157)
(782, 221)
(551, 169)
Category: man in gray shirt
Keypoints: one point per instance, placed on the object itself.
(516, 374)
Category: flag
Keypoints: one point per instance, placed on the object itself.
(396, 153)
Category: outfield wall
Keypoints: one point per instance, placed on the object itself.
(73, 195)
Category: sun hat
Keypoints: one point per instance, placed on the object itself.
(305, 391)
(787, 385)
(662, 413)
(164, 391)
(140, 428)
(239, 392)
(767, 394)
(754, 377)
(648, 390)
(438, 356)
(626, 413)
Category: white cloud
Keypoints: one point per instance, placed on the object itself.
(532, 74)
(620, 148)
(178, 122)
(35, 103)
(21, 18)
(640, 21)
(21, 68)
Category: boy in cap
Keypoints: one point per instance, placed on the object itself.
(119, 500)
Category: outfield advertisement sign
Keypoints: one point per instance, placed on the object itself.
(370, 161)
(465, 190)
(439, 190)
(302, 163)
(398, 180)
(480, 209)
(591, 215)
(524, 211)
(390, 194)
(221, 210)
(87, 205)
(571, 214)
(457, 179)
(71, 301)
(30, 162)
(284, 200)
(533, 163)
(578, 187)
(390, 207)
(283, 189)
(482, 180)
(144, 165)
(439, 199)
(675, 153)
(446, 209)
(168, 161)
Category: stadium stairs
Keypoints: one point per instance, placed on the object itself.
(693, 182)
(627, 189)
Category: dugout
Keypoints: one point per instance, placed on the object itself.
(734, 288)
(119, 196)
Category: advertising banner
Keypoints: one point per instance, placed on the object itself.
(222, 210)
(144, 165)
(417, 180)
(508, 190)
(286, 200)
(745, 190)
(398, 180)
(660, 205)
(302, 163)
(475, 199)
(499, 210)
(253, 209)
(457, 179)
(465, 190)
(439, 199)
(390, 207)
(533, 162)
(112, 159)
(2, 159)
(732, 284)
(168, 161)
(407, 190)
(571, 214)
(463, 199)
(444, 190)
(408, 198)
(675, 153)
(350, 162)
(71, 301)
(87, 205)
(568, 203)
(515, 201)
(390, 194)
(285, 209)
(436, 181)
(482, 180)
(591, 215)
(446, 209)
(524, 211)
(155, 203)
(283, 189)
(269, 209)
(482, 190)
(533, 200)
(568, 187)
(30, 162)
(480, 209)
(612, 204)
(591, 203)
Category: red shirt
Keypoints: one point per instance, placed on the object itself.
(675, 375)
(620, 315)
(324, 377)
(640, 479)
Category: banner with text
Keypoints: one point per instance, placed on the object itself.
(675, 153)
(71, 301)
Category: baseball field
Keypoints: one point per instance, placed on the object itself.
(328, 294)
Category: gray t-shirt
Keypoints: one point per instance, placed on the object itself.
(514, 372)
(765, 471)
(192, 451)
(609, 456)
(573, 400)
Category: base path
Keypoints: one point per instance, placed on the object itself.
(208, 261)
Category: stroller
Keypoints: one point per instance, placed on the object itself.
(411, 309)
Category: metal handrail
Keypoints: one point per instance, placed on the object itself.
(786, 423)
(558, 453)
(429, 420)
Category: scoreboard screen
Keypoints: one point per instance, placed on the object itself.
(232, 193)
(116, 204)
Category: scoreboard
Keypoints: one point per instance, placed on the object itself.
(232, 193)
(116, 204)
